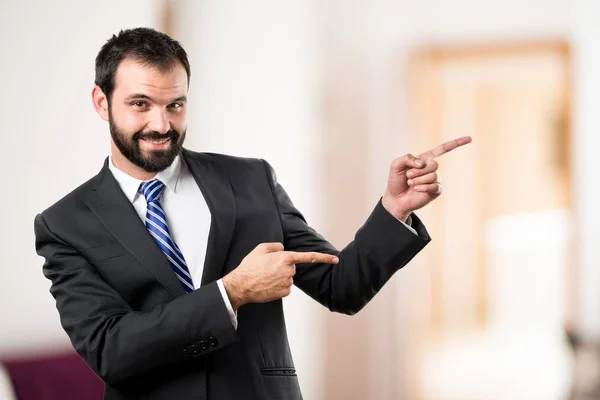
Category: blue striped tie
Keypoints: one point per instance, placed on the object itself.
(156, 222)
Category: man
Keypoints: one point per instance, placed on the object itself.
(169, 266)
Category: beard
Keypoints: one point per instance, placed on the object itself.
(152, 160)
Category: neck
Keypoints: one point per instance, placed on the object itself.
(127, 166)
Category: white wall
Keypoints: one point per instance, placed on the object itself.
(52, 140)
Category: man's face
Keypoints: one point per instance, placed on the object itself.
(147, 114)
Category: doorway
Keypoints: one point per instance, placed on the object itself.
(500, 274)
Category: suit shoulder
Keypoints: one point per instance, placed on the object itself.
(71, 201)
(225, 158)
(231, 162)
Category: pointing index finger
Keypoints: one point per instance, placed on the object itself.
(312, 257)
(445, 148)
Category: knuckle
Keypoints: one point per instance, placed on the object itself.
(407, 157)
(288, 259)
(262, 247)
(401, 161)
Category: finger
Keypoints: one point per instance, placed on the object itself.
(269, 247)
(430, 166)
(432, 177)
(432, 188)
(311, 257)
(405, 162)
(445, 148)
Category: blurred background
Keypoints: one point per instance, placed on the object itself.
(503, 304)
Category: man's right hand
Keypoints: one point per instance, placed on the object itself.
(267, 274)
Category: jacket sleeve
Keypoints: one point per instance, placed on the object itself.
(116, 341)
(381, 246)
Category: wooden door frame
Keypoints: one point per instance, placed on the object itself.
(423, 64)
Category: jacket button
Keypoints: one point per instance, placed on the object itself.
(212, 341)
(186, 352)
(195, 349)
(203, 345)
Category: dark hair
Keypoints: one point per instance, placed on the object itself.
(145, 45)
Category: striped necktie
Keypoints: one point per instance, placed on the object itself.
(156, 223)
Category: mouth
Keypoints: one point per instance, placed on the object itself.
(156, 144)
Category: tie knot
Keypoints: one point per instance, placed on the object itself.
(152, 190)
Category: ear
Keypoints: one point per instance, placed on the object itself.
(100, 102)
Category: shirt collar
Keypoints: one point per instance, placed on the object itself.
(130, 185)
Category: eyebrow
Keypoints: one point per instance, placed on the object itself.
(145, 97)
(182, 99)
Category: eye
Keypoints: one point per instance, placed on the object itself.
(176, 106)
(138, 104)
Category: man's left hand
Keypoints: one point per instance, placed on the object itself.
(414, 181)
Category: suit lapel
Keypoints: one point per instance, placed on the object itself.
(118, 215)
(213, 180)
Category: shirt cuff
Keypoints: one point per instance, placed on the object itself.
(408, 224)
(232, 314)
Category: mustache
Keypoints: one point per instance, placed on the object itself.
(171, 134)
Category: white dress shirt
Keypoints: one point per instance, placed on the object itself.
(188, 216)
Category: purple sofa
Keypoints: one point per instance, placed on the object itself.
(53, 377)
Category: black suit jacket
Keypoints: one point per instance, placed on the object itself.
(129, 318)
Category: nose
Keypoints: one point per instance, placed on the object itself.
(159, 122)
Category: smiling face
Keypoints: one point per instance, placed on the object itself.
(147, 116)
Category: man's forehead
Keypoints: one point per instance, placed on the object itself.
(132, 73)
